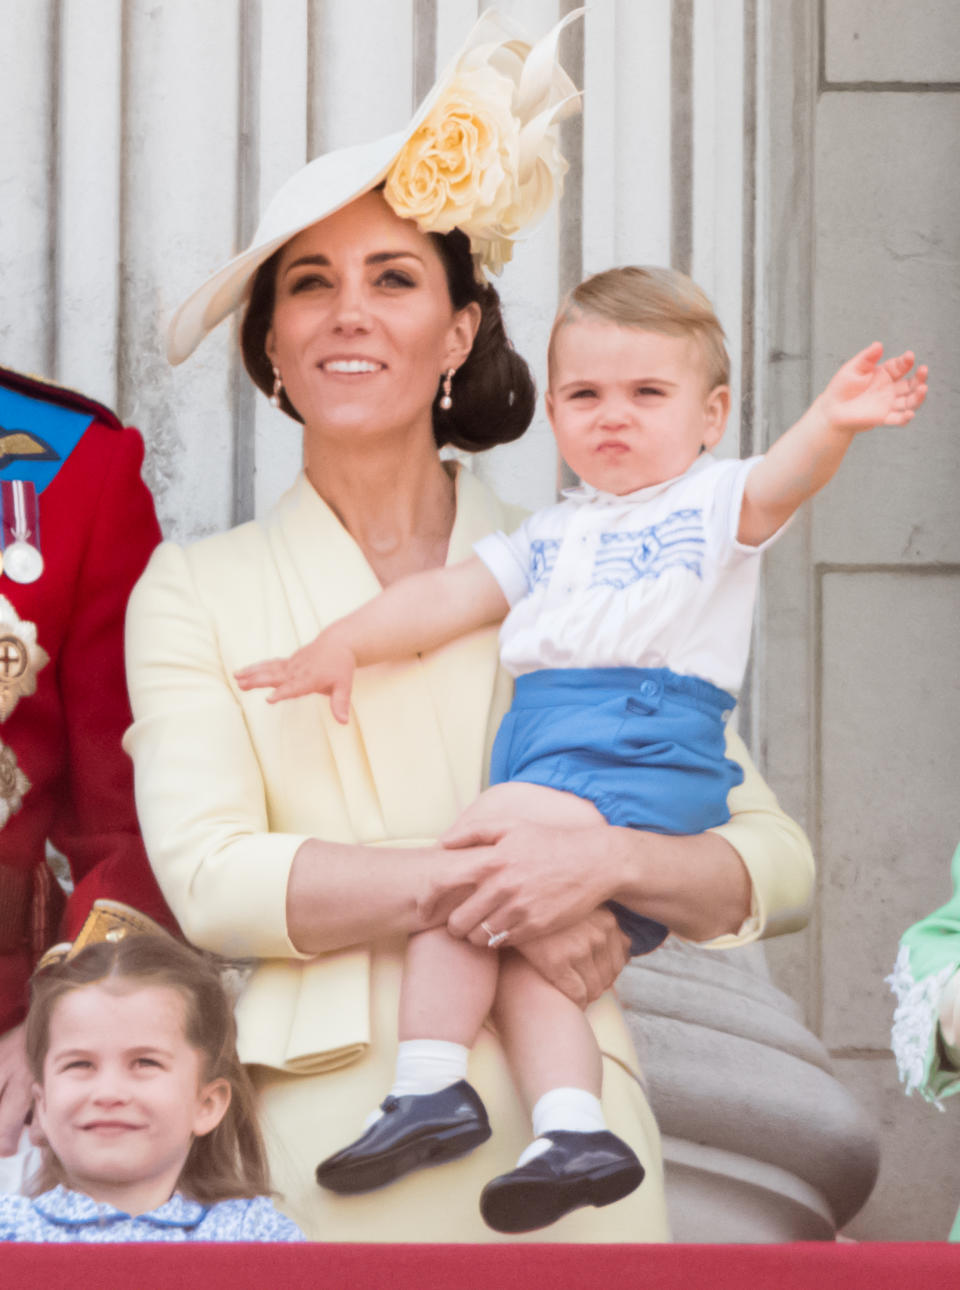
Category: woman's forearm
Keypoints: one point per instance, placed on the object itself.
(340, 894)
(697, 885)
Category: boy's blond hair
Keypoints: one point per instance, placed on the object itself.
(650, 299)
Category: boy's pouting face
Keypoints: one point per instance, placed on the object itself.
(631, 408)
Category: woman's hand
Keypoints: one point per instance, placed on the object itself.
(528, 879)
(15, 1089)
(581, 961)
(531, 879)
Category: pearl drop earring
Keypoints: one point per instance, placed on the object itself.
(446, 400)
(277, 388)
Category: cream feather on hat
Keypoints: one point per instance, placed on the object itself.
(481, 154)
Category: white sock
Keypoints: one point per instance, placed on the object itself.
(425, 1066)
(572, 1109)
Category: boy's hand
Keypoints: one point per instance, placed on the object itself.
(867, 393)
(322, 667)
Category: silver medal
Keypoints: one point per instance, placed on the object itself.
(22, 562)
(20, 511)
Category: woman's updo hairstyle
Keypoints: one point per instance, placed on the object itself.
(494, 395)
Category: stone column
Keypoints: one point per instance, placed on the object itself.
(761, 1141)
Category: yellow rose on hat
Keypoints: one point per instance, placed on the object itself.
(460, 168)
(486, 156)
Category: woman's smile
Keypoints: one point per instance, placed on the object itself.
(350, 366)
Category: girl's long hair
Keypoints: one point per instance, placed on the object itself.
(228, 1162)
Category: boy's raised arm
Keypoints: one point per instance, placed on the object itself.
(411, 616)
(863, 394)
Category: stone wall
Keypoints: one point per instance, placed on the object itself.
(861, 688)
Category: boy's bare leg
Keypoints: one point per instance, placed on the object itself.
(573, 1159)
(547, 1039)
(431, 1113)
(449, 985)
(553, 1054)
(447, 991)
(531, 803)
(448, 988)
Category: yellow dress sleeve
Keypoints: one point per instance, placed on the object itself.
(199, 787)
(776, 852)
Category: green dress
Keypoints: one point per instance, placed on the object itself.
(929, 956)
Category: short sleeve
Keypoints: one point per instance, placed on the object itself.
(727, 502)
(508, 559)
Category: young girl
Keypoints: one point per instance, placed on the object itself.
(148, 1117)
(630, 606)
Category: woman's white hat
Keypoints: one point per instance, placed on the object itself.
(481, 154)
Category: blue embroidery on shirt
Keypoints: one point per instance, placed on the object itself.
(675, 542)
(543, 557)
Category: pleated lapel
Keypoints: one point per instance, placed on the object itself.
(417, 728)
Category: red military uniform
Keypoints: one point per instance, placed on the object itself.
(63, 774)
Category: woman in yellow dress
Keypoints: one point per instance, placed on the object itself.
(278, 835)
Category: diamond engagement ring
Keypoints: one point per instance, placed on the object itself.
(495, 938)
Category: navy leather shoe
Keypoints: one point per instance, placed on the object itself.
(415, 1130)
(578, 1169)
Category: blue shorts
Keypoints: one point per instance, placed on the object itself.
(645, 745)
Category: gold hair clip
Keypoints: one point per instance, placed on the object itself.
(108, 920)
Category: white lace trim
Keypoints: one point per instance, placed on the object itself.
(915, 1021)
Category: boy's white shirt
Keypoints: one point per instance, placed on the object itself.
(654, 578)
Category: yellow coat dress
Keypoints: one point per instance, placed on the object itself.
(228, 787)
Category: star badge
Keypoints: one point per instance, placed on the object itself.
(21, 658)
(13, 784)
